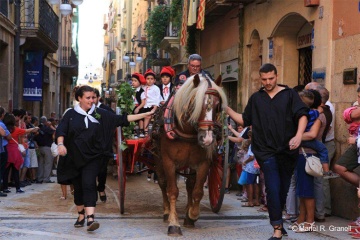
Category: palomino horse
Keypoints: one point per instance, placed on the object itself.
(195, 130)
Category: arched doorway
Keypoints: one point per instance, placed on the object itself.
(292, 52)
(255, 61)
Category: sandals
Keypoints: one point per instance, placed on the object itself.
(247, 205)
(305, 227)
(82, 222)
(278, 228)
(92, 225)
(62, 198)
(103, 198)
(263, 209)
(294, 227)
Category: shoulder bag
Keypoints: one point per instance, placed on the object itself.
(313, 165)
(20, 147)
(54, 149)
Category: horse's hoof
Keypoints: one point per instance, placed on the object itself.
(188, 222)
(166, 217)
(174, 231)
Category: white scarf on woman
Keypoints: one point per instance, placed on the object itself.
(78, 109)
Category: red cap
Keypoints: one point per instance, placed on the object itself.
(167, 70)
(139, 77)
(149, 72)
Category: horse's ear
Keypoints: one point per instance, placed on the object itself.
(196, 80)
(218, 81)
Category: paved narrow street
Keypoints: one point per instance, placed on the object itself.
(39, 214)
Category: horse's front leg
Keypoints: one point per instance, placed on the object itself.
(190, 183)
(193, 212)
(162, 184)
(172, 194)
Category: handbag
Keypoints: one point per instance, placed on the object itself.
(313, 165)
(54, 150)
(21, 148)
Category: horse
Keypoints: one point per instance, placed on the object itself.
(190, 143)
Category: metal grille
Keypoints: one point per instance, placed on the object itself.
(305, 65)
(4, 7)
(48, 20)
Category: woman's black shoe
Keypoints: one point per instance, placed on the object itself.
(82, 222)
(102, 197)
(277, 228)
(92, 225)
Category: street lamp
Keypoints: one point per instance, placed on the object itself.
(90, 77)
(65, 7)
(131, 58)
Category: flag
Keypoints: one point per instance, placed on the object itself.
(183, 35)
(200, 24)
(192, 12)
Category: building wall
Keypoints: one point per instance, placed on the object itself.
(6, 62)
(223, 46)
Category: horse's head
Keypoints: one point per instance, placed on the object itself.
(199, 103)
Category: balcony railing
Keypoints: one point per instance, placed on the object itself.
(38, 15)
(4, 8)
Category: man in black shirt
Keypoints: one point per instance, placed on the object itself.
(278, 118)
(103, 171)
(45, 161)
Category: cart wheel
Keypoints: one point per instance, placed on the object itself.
(218, 173)
(122, 182)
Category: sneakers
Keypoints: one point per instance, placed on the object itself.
(20, 191)
(330, 174)
(6, 191)
(3, 194)
(227, 191)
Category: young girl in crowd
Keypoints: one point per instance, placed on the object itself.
(252, 172)
(152, 96)
(137, 80)
(15, 159)
(166, 74)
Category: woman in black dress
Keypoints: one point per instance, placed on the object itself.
(82, 137)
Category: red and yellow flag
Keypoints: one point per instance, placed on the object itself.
(200, 24)
(183, 35)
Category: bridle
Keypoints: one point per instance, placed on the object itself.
(205, 124)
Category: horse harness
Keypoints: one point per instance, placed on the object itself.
(169, 118)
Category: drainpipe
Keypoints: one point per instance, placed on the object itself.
(16, 56)
(241, 20)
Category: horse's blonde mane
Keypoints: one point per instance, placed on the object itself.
(190, 100)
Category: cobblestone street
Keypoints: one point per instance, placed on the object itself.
(39, 214)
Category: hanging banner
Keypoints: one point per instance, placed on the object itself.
(183, 36)
(33, 75)
(200, 24)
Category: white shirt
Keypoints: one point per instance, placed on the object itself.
(134, 97)
(152, 95)
(167, 94)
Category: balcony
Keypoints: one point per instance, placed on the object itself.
(218, 8)
(39, 25)
(4, 8)
(69, 63)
